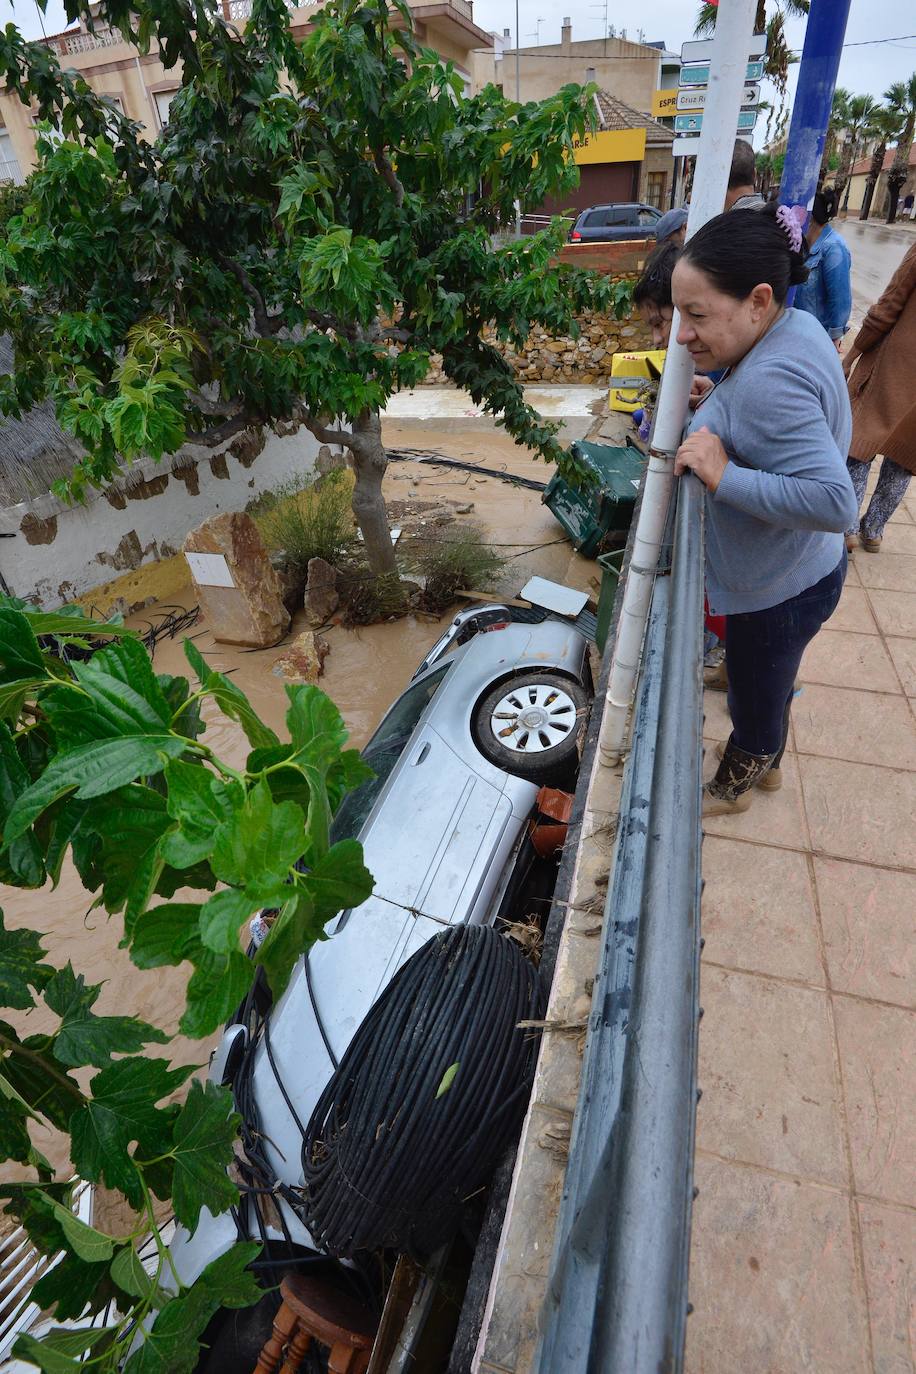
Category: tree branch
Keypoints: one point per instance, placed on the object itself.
(265, 324)
(226, 410)
(209, 438)
(387, 172)
(320, 431)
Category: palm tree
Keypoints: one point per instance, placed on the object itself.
(778, 57)
(884, 125)
(901, 96)
(839, 120)
(859, 112)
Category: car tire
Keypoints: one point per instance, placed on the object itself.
(531, 724)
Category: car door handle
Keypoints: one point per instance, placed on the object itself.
(421, 757)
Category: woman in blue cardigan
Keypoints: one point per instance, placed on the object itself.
(769, 442)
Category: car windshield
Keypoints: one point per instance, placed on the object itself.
(383, 751)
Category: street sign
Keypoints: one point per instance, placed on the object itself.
(701, 51)
(686, 147)
(697, 74)
(695, 98)
(693, 123)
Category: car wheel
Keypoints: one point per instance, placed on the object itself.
(531, 725)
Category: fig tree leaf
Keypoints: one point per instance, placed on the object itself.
(20, 966)
(92, 770)
(172, 1344)
(230, 699)
(200, 803)
(85, 1241)
(260, 842)
(21, 861)
(84, 1038)
(203, 1139)
(222, 916)
(128, 1272)
(166, 934)
(123, 1109)
(219, 983)
(339, 880)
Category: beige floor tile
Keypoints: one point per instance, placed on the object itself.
(852, 573)
(901, 516)
(894, 612)
(772, 1278)
(889, 1250)
(770, 1092)
(843, 659)
(853, 613)
(758, 910)
(878, 1055)
(773, 817)
(903, 652)
(868, 916)
(900, 536)
(843, 723)
(890, 571)
(857, 812)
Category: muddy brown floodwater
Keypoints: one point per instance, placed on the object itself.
(363, 673)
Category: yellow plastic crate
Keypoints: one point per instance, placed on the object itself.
(636, 377)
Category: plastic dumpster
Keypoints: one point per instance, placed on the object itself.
(600, 508)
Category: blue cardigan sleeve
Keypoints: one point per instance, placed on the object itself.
(789, 470)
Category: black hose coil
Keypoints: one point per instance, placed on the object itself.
(388, 1163)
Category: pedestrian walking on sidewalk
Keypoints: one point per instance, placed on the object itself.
(769, 442)
(881, 367)
(827, 294)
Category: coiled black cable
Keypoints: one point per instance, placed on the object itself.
(428, 1095)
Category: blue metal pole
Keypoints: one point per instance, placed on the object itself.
(811, 113)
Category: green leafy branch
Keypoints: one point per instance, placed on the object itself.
(106, 760)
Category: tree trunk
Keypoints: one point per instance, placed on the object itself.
(900, 170)
(369, 462)
(871, 182)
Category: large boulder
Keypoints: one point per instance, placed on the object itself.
(235, 581)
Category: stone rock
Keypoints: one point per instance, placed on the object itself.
(329, 461)
(250, 612)
(303, 659)
(321, 595)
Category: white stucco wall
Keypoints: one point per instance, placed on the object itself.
(51, 552)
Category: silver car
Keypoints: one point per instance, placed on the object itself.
(494, 712)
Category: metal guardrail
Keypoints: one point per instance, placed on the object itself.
(617, 1294)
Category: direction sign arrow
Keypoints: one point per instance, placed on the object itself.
(697, 74)
(694, 98)
(693, 123)
(701, 51)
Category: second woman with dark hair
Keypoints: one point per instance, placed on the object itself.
(769, 443)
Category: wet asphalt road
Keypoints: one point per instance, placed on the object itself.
(877, 251)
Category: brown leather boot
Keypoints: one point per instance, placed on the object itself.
(716, 679)
(730, 790)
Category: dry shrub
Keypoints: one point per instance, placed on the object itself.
(456, 559)
(315, 521)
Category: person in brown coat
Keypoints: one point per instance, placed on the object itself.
(881, 390)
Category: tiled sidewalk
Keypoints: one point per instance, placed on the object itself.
(805, 1225)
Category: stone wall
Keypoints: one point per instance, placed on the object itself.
(586, 360)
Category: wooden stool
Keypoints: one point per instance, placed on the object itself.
(313, 1311)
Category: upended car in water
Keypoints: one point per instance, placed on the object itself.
(494, 712)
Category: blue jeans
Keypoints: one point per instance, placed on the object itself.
(763, 650)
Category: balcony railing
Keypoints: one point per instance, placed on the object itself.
(11, 171)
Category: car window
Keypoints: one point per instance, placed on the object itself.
(626, 214)
(597, 219)
(647, 216)
(383, 751)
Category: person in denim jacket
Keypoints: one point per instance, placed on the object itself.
(827, 294)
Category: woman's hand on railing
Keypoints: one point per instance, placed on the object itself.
(704, 454)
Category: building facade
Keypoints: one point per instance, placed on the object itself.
(143, 89)
(632, 71)
(859, 177)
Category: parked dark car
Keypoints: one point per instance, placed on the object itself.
(609, 223)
